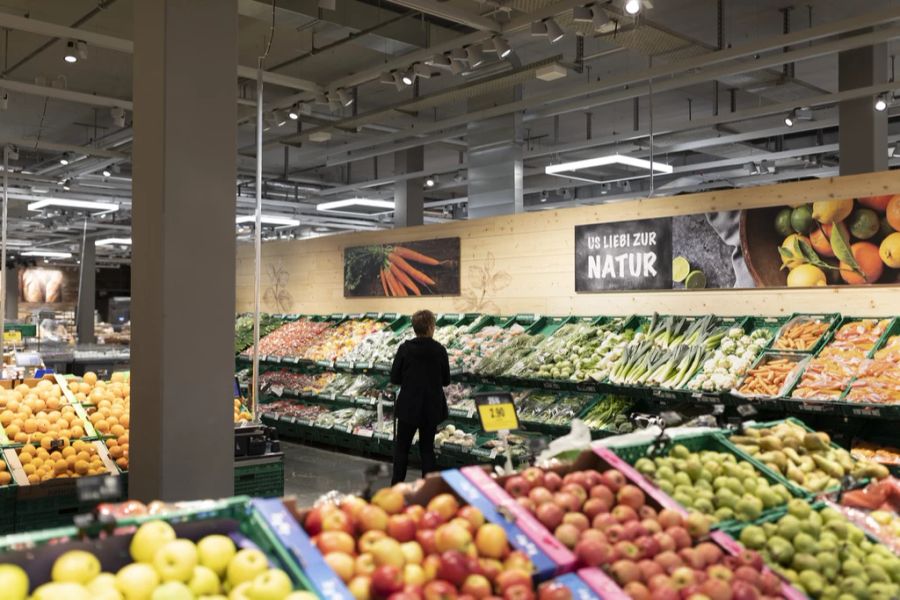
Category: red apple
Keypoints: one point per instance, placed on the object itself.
(615, 533)
(593, 507)
(416, 511)
(669, 517)
(518, 560)
(352, 505)
(604, 521)
(631, 495)
(650, 568)
(430, 565)
(364, 564)
(519, 592)
(405, 595)
(710, 552)
(464, 523)
(665, 541)
(552, 590)
(578, 520)
(741, 590)
(576, 490)
(446, 505)
(683, 577)
(511, 577)
(540, 495)
(664, 593)
(490, 568)
(692, 558)
(594, 553)
(720, 572)
(337, 520)
(454, 567)
(389, 500)
(386, 580)
(613, 479)
(452, 536)
(624, 513)
(517, 486)
(425, 537)
(634, 530)
(439, 590)
(592, 534)
(312, 523)
(625, 571)
(527, 502)
(431, 519)
(659, 581)
(637, 591)
(401, 527)
(372, 518)
(602, 492)
(751, 559)
(628, 550)
(748, 574)
(567, 534)
(336, 541)
(534, 476)
(360, 587)
(567, 501)
(669, 561)
(552, 481)
(367, 540)
(550, 515)
(697, 524)
(681, 536)
(651, 525)
(716, 589)
(770, 583)
(476, 586)
(648, 546)
(647, 512)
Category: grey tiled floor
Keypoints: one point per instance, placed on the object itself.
(310, 472)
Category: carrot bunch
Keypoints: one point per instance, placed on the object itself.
(399, 277)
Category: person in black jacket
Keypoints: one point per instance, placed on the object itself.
(421, 369)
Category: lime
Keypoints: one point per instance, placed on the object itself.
(863, 223)
(680, 269)
(695, 280)
(801, 219)
(783, 222)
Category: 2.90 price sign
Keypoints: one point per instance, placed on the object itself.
(496, 411)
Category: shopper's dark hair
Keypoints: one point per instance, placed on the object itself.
(423, 322)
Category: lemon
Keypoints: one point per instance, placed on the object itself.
(832, 211)
(806, 276)
(889, 251)
(792, 256)
(680, 269)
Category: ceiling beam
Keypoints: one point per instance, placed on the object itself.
(54, 147)
(62, 94)
(450, 12)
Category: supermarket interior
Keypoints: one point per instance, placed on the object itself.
(622, 275)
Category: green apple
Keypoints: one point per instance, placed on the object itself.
(215, 552)
(61, 590)
(274, 584)
(240, 591)
(75, 566)
(176, 561)
(246, 565)
(204, 582)
(149, 538)
(13, 582)
(137, 581)
(172, 590)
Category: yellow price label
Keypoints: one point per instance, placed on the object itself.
(498, 417)
(12, 336)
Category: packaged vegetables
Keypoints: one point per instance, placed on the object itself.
(878, 381)
(339, 340)
(801, 333)
(469, 349)
(292, 339)
(730, 360)
(768, 378)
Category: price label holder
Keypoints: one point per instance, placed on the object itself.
(496, 412)
(93, 490)
(12, 337)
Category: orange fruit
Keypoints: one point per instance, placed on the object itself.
(878, 203)
(818, 239)
(893, 213)
(869, 261)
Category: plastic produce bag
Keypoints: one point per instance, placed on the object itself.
(568, 446)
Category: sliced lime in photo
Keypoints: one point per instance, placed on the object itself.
(680, 268)
(695, 280)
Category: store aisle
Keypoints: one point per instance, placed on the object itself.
(310, 472)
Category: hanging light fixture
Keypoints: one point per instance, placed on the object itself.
(632, 7)
(64, 159)
(106, 173)
(789, 119)
(582, 14)
(398, 81)
(554, 31)
(601, 18)
(345, 97)
(70, 56)
(501, 46)
(408, 78)
(294, 112)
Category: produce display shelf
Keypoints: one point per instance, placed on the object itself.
(831, 318)
(708, 441)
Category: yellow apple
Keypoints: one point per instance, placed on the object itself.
(137, 581)
(172, 590)
(75, 566)
(245, 566)
(176, 561)
(412, 552)
(13, 582)
(274, 584)
(215, 552)
(57, 590)
(204, 582)
(149, 538)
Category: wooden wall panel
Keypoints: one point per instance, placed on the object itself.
(536, 251)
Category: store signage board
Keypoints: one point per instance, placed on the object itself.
(629, 255)
(496, 411)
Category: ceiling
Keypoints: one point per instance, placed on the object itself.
(652, 80)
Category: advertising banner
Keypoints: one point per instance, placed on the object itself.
(826, 243)
(424, 268)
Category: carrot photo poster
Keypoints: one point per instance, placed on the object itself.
(425, 268)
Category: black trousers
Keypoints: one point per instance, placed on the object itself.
(403, 442)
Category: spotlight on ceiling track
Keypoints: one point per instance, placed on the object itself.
(633, 7)
(474, 55)
(398, 81)
(439, 60)
(408, 78)
(554, 31)
(345, 97)
(431, 181)
(882, 102)
(106, 173)
(386, 78)
(501, 46)
(798, 114)
(294, 112)
(789, 119)
(457, 67)
(601, 18)
(64, 159)
(71, 53)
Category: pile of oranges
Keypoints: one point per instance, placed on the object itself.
(60, 460)
(38, 415)
(5, 477)
(108, 404)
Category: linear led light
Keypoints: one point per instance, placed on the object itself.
(47, 254)
(113, 242)
(613, 159)
(68, 203)
(370, 202)
(268, 220)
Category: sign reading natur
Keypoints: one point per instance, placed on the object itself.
(630, 255)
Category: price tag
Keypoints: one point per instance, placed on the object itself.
(99, 489)
(664, 394)
(14, 336)
(367, 433)
(277, 389)
(496, 411)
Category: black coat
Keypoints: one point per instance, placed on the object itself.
(421, 369)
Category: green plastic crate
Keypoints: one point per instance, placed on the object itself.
(262, 478)
(51, 504)
(717, 443)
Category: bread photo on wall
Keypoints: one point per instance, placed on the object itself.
(408, 269)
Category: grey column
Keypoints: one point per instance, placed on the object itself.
(87, 293)
(12, 293)
(409, 197)
(183, 253)
(495, 158)
(863, 130)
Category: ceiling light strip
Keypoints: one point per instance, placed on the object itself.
(613, 159)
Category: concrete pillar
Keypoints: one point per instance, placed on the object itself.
(87, 293)
(495, 158)
(12, 293)
(409, 197)
(183, 253)
(863, 131)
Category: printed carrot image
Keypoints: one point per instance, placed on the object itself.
(408, 269)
